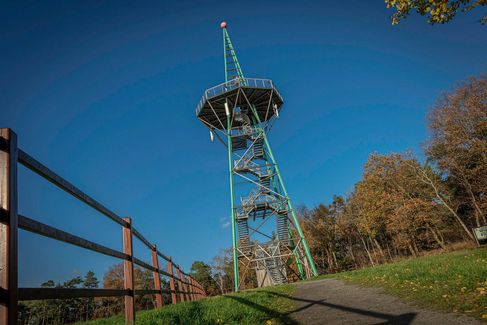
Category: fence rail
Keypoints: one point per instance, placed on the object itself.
(182, 287)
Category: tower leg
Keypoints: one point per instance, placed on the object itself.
(232, 204)
(296, 255)
(293, 213)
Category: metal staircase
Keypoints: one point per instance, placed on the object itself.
(244, 237)
(258, 148)
(283, 227)
(270, 264)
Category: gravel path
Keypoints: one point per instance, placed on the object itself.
(335, 302)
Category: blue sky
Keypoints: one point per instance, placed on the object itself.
(104, 93)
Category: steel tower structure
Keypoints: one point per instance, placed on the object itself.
(267, 238)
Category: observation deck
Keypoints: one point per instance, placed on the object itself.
(242, 93)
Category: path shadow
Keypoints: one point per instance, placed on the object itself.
(284, 317)
(402, 319)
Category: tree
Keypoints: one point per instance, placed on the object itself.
(442, 193)
(114, 279)
(346, 230)
(397, 208)
(202, 273)
(438, 11)
(90, 282)
(458, 146)
(70, 309)
(319, 229)
(222, 266)
(56, 311)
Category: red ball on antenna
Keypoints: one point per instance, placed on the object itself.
(223, 24)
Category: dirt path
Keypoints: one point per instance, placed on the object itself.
(334, 302)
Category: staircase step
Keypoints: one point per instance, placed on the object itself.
(265, 182)
(239, 143)
(243, 235)
(282, 227)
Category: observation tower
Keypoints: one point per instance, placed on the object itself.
(268, 244)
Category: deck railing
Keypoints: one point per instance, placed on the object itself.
(182, 287)
(231, 85)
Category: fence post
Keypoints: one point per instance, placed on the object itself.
(180, 285)
(157, 277)
(185, 286)
(128, 272)
(188, 288)
(190, 285)
(8, 227)
(200, 290)
(195, 292)
(171, 282)
(223, 284)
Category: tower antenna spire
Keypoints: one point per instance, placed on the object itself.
(232, 66)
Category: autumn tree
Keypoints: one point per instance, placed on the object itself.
(114, 279)
(409, 198)
(458, 146)
(351, 241)
(318, 226)
(437, 11)
(393, 211)
(373, 202)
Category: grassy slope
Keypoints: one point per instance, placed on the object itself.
(454, 282)
(258, 306)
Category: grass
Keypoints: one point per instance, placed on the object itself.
(453, 282)
(258, 306)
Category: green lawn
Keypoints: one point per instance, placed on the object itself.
(454, 282)
(259, 306)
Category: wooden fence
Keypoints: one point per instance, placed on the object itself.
(182, 286)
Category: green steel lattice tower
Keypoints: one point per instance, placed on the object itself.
(268, 244)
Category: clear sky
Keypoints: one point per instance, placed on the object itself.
(104, 93)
